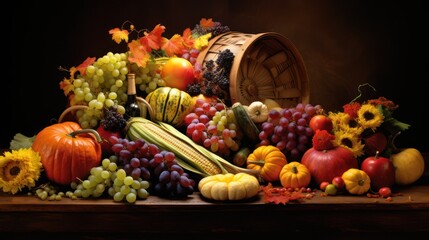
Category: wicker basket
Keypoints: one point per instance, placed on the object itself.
(266, 65)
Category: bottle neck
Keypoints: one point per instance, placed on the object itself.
(131, 78)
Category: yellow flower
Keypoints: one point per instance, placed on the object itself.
(18, 169)
(351, 141)
(343, 122)
(369, 116)
(202, 41)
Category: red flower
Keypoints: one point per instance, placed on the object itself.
(322, 140)
(351, 109)
(391, 106)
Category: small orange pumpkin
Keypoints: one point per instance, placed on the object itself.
(295, 175)
(269, 160)
(67, 151)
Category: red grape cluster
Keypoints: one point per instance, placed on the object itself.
(289, 130)
(144, 160)
(214, 127)
(191, 55)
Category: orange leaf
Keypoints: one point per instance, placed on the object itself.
(188, 41)
(174, 45)
(280, 195)
(153, 39)
(82, 67)
(118, 35)
(66, 86)
(206, 23)
(138, 54)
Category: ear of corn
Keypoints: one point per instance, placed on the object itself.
(190, 155)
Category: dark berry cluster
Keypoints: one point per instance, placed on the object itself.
(215, 79)
(112, 120)
(215, 30)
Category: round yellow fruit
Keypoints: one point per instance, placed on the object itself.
(409, 166)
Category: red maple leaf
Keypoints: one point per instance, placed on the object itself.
(206, 23)
(138, 54)
(174, 45)
(153, 39)
(82, 67)
(280, 195)
(188, 41)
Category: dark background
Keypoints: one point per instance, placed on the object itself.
(343, 44)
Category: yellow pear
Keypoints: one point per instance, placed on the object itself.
(271, 103)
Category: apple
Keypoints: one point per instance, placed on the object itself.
(339, 182)
(323, 185)
(321, 122)
(331, 189)
(177, 73)
(375, 142)
(106, 146)
(380, 170)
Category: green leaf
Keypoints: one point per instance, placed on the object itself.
(394, 124)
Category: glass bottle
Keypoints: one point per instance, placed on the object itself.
(132, 108)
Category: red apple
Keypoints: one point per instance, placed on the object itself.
(323, 185)
(375, 142)
(339, 182)
(380, 170)
(327, 164)
(177, 73)
(321, 122)
(106, 146)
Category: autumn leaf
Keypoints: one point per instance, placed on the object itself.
(174, 45)
(206, 23)
(66, 86)
(153, 40)
(118, 35)
(82, 67)
(202, 41)
(188, 41)
(280, 195)
(138, 54)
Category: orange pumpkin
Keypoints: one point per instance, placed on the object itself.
(67, 151)
(269, 160)
(295, 175)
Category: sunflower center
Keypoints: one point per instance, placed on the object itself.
(14, 170)
(347, 142)
(353, 123)
(368, 116)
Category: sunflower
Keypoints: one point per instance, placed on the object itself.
(369, 116)
(351, 141)
(343, 122)
(18, 169)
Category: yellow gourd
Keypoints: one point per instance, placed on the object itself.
(223, 187)
(357, 181)
(295, 175)
(269, 160)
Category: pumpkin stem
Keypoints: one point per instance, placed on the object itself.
(69, 109)
(89, 130)
(294, 169)
(257, 162)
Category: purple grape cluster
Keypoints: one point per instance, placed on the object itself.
(143, 160)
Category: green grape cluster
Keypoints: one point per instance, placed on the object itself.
(103, 84)
(108, 178)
